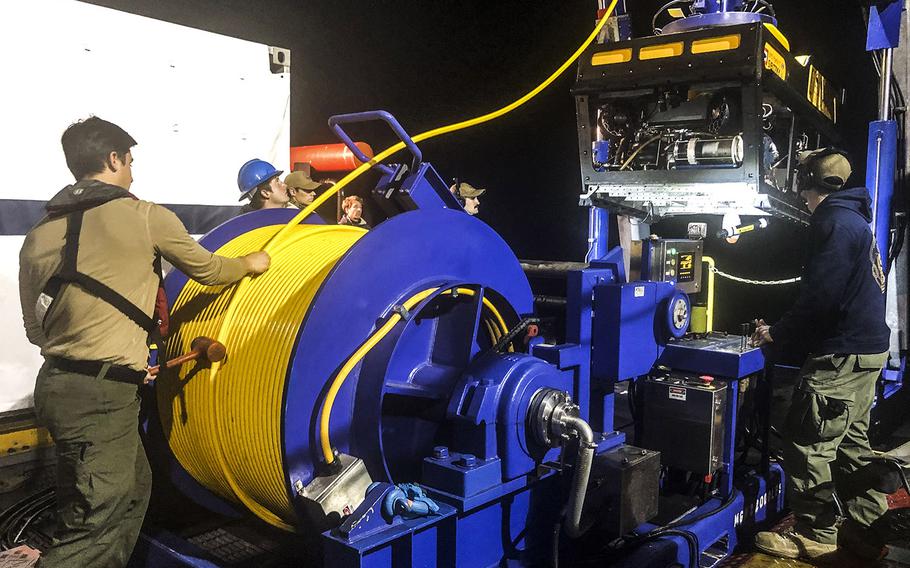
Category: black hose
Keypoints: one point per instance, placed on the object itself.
(671, 529)
(689, 520)
(26, 509)
(660, 11)
(766, 4)
(557, 530)
(39, 509)
(690, 538)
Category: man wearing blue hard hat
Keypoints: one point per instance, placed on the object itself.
(261, 183)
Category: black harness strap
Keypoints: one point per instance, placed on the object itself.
(68, 274)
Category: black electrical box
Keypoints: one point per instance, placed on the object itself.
(683, 419)
(623, 490)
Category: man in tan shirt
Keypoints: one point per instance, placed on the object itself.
(88, 286)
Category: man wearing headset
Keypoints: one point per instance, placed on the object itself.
(839, 321)
(468, 196)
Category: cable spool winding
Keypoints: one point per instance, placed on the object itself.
(225, 428)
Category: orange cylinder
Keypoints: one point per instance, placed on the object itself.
(329, 157)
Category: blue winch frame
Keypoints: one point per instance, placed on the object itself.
(459, 533)
(485, 480)
(492, 474)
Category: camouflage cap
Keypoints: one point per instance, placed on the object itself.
(826, 168)
(467, 191)
(299, 180)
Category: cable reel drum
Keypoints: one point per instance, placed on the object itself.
(249, 436)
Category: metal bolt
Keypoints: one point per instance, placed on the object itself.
(298, 486)
(440, 452)
(643, 452)
(468, 460)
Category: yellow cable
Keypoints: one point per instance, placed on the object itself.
(259, 485)
(325, 418)
(227, 432)
(275, 241)
(388, 152)
(709, 310)
(352, 362)
(224, 424)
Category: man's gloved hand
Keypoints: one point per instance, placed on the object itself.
(762, 334)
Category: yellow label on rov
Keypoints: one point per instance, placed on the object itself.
(775, 62)
(818, 93)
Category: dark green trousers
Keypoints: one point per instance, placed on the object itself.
(103, 475)
(826, 432)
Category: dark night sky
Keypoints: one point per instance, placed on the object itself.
(432, 62)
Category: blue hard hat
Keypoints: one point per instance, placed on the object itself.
(253, 174)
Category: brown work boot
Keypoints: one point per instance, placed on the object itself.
(791, 544)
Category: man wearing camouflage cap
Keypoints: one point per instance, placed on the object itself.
(839, 322)
(302, 188)
(468, 196)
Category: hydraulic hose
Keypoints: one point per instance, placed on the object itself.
(586, 447)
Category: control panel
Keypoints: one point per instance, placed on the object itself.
(670, 260)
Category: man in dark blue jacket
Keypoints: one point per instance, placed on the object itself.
(839, 320)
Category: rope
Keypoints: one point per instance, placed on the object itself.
(723, 274)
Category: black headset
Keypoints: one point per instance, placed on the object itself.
(806, 178)
(457, 192)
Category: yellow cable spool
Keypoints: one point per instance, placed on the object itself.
(225, 430)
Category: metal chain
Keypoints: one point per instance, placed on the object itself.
(755, 282)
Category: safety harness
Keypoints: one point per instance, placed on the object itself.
(69, 274)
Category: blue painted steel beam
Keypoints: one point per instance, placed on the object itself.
(884, 29)
(598, 233)
(881, 162)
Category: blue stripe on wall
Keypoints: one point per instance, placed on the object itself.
(17, 216)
